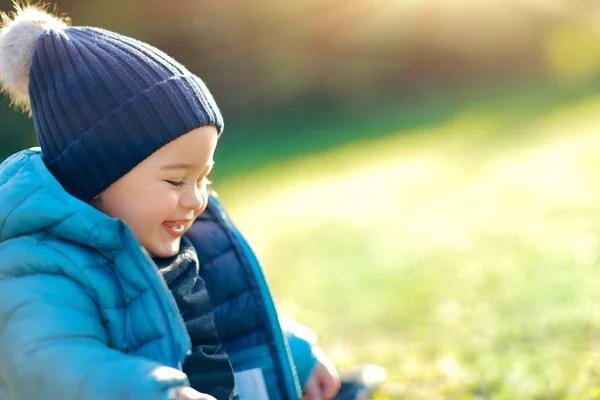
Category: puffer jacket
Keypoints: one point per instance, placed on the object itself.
(84, 313)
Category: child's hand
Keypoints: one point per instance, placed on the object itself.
(187, 393)
(324, 382)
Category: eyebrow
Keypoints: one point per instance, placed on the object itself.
(175, 166)
(183, 166)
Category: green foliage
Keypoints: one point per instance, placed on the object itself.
(461, 254)
(17, 131)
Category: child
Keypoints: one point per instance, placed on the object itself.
(111, 281)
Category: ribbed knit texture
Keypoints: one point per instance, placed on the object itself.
(103, 102)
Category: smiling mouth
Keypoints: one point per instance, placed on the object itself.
(178, 227)
(174, 228)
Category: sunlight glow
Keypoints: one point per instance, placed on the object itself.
(430, 197)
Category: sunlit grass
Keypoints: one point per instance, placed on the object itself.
(462, 257)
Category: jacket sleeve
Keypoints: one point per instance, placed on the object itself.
(53, 346)
(301, 340)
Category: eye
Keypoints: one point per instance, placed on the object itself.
(176, 183)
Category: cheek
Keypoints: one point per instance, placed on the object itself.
(145, 220)
(157, 206)
(143, 210)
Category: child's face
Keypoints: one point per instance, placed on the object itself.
(160, 198)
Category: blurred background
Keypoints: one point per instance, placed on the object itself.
(421, 178)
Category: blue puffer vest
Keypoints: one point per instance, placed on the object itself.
(85, 315)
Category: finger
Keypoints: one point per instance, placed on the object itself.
(329, 384)
(187, 393)
(327, 363)
(312, 389)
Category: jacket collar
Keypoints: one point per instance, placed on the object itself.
(33, 201)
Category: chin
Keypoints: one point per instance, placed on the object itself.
(166, 250)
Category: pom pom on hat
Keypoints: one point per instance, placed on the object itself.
(19, 32)
(100, 102)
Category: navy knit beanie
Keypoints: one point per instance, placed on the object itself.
(101, 102)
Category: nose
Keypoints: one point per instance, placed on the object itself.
(193, 199)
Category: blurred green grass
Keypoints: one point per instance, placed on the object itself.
(459, 249)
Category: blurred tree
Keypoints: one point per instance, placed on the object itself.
(261, 57)
(17, 130)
